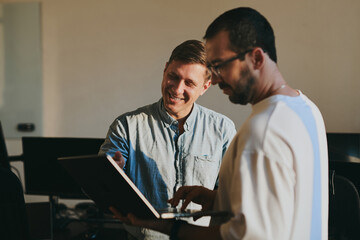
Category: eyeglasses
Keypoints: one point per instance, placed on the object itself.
(215, 69)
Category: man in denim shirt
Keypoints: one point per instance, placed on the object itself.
(173, 142)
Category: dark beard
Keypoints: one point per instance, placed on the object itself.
(242, 93)
(235, 98)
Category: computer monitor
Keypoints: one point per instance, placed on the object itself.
(44, 175)
(4, 158)
(344, 155)
(344, 147)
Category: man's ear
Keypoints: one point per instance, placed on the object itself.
(207, 84)
(258, 58)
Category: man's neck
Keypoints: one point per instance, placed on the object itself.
(181, 120)
(271, 82)
(181, 123)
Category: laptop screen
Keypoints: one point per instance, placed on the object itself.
(43, 174)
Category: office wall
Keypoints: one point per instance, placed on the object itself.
(102, 58)
(105, 57)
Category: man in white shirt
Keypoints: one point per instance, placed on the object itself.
(274, 176)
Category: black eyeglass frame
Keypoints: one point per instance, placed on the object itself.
(215, 69)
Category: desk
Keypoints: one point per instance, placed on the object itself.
(42, 225)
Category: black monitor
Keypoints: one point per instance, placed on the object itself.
(4, 158)
(344, 147)
(344, 155)
(44, 175)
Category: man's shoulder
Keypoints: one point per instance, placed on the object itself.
(141, 112)
(211, 114)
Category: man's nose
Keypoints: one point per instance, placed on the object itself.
(179, 87)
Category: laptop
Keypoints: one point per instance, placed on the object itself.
(107, 185)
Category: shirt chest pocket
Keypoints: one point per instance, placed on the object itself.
(206, 170)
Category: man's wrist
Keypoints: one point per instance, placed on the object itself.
(175, 229)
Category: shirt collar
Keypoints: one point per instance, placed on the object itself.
(169, 121)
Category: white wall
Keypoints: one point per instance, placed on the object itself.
(105, 57)
(102, 58)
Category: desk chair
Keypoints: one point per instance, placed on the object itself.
(13, 220)
(344, 208)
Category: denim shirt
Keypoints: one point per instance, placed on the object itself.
(158, 159)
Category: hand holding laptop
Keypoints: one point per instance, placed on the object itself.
(106, 183)
(119, 159)
(161, 225)
(197, 194)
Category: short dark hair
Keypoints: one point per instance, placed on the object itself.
(190, 51)
(247, 29)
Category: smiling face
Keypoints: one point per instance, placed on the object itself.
(182, 85)
(235, 79)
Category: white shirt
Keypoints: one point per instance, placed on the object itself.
(274, 176)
